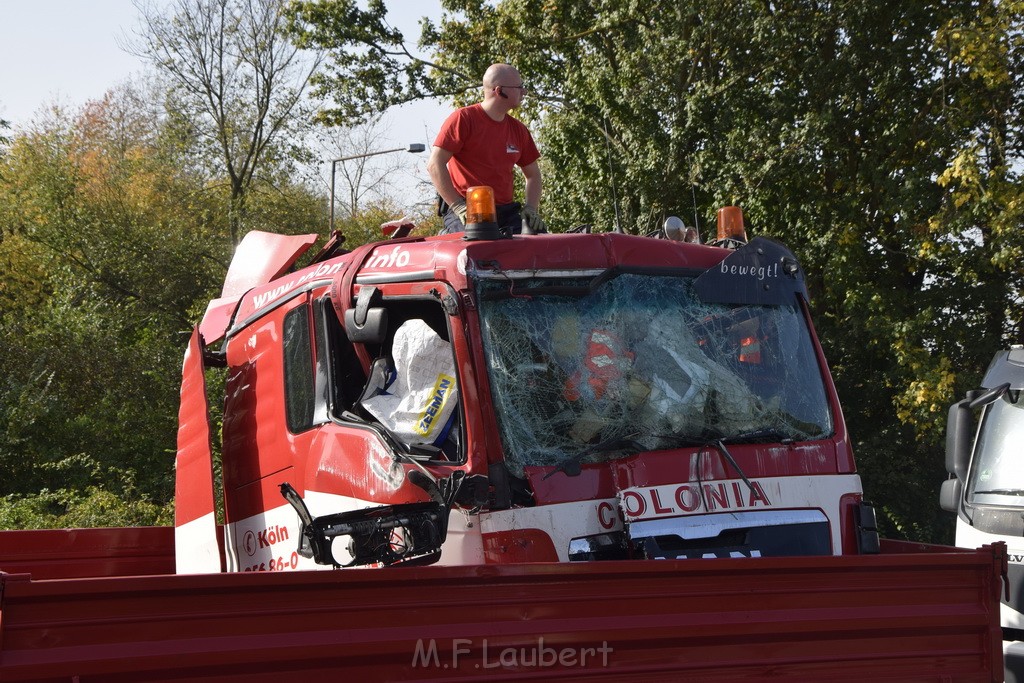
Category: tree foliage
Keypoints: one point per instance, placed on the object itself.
(881, 142)
(370, 66)
(112, 243)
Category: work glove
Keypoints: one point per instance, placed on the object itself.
(533, 220)
(459, 208)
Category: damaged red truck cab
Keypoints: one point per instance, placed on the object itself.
(539, 398)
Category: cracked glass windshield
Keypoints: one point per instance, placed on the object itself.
(596, 368)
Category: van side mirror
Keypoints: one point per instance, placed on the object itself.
(959, 430)
(950, 493)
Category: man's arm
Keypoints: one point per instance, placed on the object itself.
(437, 167)
(533, 185)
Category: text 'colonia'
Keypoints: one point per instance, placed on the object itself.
(687, 498)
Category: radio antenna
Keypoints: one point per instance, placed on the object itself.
(611, 173)
(696, 223)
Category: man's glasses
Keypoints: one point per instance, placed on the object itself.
(517, 87)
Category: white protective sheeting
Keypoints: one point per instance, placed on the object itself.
(420, 397)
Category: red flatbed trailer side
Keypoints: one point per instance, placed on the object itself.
(78, 553)
(912, 613)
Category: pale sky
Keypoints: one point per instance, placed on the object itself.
(66, 52)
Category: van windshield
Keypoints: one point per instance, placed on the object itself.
(997, 477)
(577, 363)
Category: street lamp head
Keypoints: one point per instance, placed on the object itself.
(414, 147)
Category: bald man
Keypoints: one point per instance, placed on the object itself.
(481, 145)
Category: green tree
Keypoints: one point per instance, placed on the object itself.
(881, 142)
(369, 65)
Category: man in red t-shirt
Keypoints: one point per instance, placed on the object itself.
(479, 145)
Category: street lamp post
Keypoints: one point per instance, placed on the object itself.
(415, 148)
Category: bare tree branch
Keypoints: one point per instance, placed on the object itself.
(240, 81)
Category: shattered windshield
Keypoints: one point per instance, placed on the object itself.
(594, 368)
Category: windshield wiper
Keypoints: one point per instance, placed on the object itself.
(684, 440)
(769, 434)
(1002, 492)
(718, 443)
(571, 465)
(720, 447)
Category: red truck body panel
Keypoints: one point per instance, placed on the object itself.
(919, 613)
(81, 553)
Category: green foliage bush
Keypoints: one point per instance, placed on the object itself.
(111, 253)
